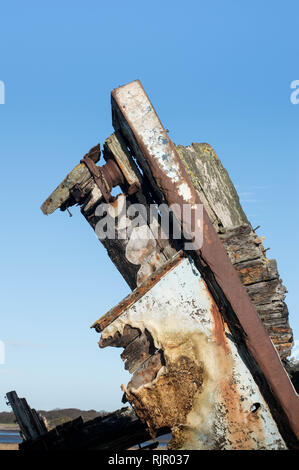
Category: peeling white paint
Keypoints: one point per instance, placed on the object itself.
(179, 314)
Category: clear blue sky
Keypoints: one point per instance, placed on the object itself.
(217, 72)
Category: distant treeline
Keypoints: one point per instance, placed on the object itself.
(57, 416)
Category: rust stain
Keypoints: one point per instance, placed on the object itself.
(252, 274)
(218, 333)
(214, 255)
(168, 400)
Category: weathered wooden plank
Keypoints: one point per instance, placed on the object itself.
(134, 115)
(116, 311)
(36, 421)
(31, 424)
(115, 146)
(147, 371)
(137, 352)
(138, 253)
(79, 175)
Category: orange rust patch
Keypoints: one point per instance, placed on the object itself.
(207, 237)
(218, 333)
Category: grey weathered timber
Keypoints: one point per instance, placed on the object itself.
(79, 175)
(261, 279)
(116, 431)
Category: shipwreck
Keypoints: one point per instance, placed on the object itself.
(205, 331)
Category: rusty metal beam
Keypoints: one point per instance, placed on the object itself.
(135, 117)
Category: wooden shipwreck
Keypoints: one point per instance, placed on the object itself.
(205, 331)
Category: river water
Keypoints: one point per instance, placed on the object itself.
(10, 437)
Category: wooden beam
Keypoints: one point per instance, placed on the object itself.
(31, 424)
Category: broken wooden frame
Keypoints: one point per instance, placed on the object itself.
(162, 179)
(188, 374)
(115, 431)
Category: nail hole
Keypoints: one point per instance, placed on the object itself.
(255, 407)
